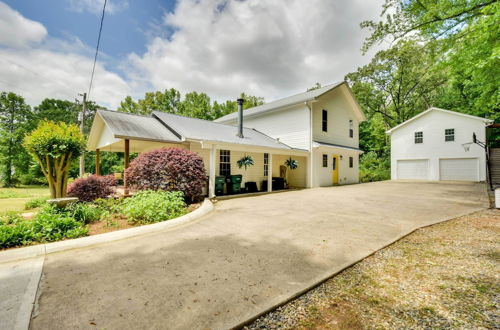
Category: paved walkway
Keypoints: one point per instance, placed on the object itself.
(246, 257)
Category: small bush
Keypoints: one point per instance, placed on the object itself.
(112, 205)
(10, 218)
(154, 206)
(92, 187)
(374, 168)
(85, 212)
(20, 233)
(35, 202)
(169, 169)
(54, 224)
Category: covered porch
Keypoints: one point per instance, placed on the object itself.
(125, 133)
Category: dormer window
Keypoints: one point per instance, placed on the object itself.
(324, 120)
(351, 129)
(419, 137)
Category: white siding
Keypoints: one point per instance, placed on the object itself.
(339, 113)
(290, 125)
(434, 146)
(323, 176)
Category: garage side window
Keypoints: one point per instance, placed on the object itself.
(449, 134)
(325, 160)
(419, 137)
(225, 162)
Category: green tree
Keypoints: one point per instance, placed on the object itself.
(196, 105)
(467, 34)
(398, 83)
(54, 147)
(15, 119)
(166, 101)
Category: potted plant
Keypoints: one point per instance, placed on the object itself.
(292, 164)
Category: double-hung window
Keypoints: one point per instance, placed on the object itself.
(324, 120)
(449, 134)
(225, 163)
(419, 137)
(325, 160)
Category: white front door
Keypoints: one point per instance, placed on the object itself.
(413, 169)
(460, 169)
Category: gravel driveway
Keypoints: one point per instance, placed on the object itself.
(245, 258)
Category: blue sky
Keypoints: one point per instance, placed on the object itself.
(221, 47)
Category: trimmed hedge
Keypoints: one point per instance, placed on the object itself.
(92, 187)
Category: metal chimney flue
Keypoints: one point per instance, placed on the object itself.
(240, 117)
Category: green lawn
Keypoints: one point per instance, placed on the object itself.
(13, 199)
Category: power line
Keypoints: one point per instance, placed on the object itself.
(97, 47)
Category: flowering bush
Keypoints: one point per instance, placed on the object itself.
(170, 169)
(92, 187)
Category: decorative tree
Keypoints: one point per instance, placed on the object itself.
(245, 161)
(54, 146)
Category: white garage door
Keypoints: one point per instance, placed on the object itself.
(413, 169)
(461, 169)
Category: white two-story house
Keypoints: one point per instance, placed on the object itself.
(324, 122)
(318, 130)
(436, 145)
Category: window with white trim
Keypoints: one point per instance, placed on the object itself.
(449, 134)
(419, 137)
(324, 120)
(266, 164)
(225, 163)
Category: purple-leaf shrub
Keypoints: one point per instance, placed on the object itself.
(92, 187)
(170, 169)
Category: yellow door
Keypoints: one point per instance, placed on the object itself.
(335, 169)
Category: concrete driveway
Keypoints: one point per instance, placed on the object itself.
(243, 259)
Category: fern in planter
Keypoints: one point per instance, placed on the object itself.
(291, 163)
(245, 161)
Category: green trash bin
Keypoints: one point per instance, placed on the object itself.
(219, 185)
(234, 184)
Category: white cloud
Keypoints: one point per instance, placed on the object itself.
(95, 6)
(266, 48)
(55, 68)
(17, 31)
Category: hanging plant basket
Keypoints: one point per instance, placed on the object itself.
(291, 163)
(245, 161)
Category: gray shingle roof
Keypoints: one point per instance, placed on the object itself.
(125, 125)
(281, 103)
(199, 129)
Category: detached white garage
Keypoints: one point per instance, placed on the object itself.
(417, 169)
(429, 146)
(460, 169)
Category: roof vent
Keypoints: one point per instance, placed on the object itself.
(240, 117)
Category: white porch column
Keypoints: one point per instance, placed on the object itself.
(270, 173)
(211, 173)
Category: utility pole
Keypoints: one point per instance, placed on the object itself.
(82, 128)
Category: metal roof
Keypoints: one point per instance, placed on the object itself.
(205, 130)
(281, 103)
(126, 125)
(324, 144)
